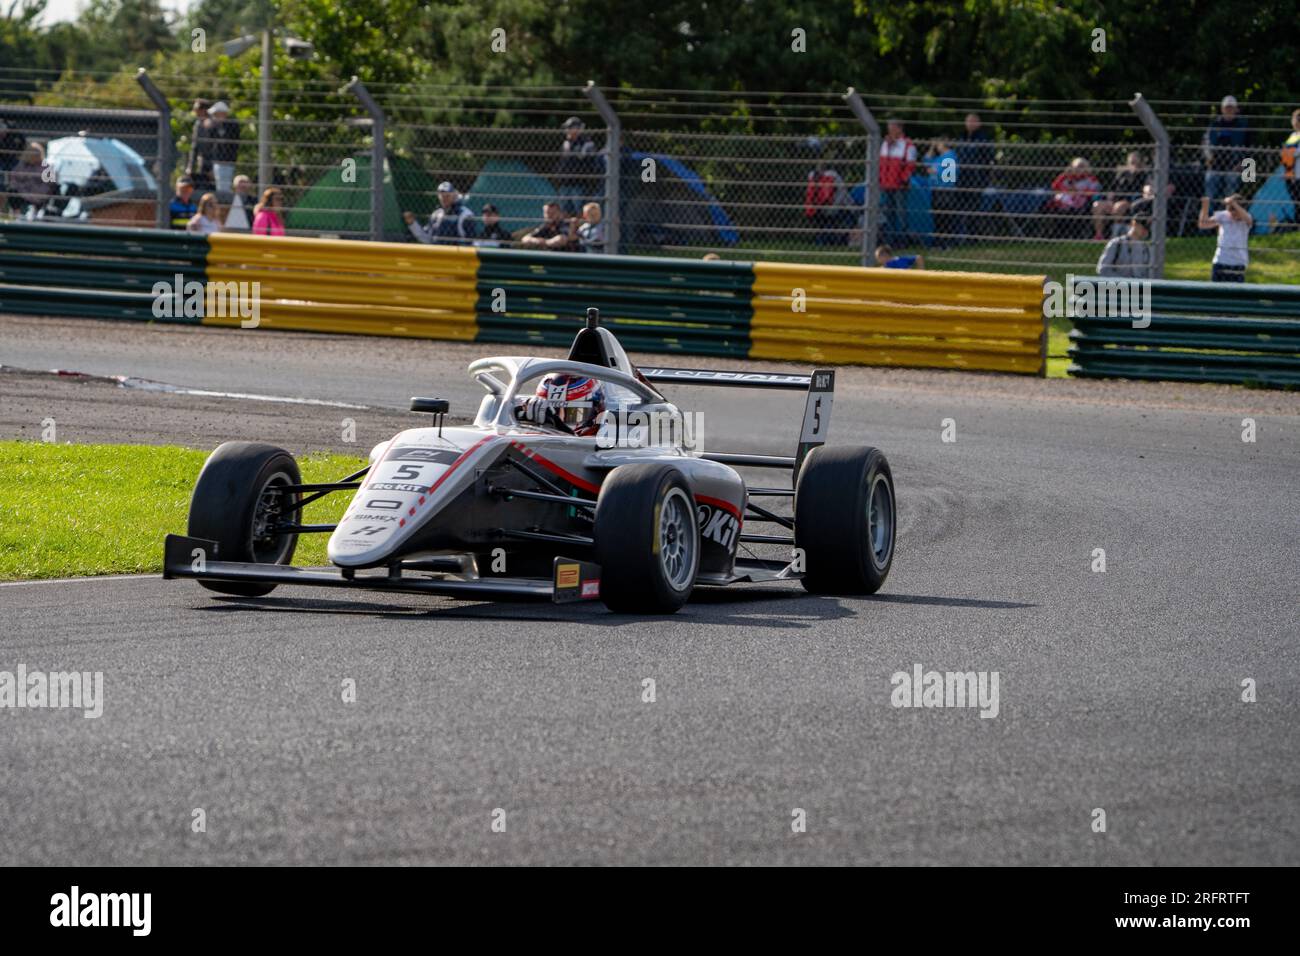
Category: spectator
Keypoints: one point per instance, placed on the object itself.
(451, 224)
(591, 231)
(12, 144)
(1127, 187)
(493, 234)
(223, 138)
(578, 166)
(1289, 150)
(553, 232)
(198, 165)
(1231, 255)
(1224, 144)
(206, 221)
(181, 208)
(886, 259)
(711, 257)
(1073, 189)
(239, 217)
(31, 182)
(941, 163)
(825, 201)
(268, 215)
(975, 158)
(897, 162)
(1128, 256)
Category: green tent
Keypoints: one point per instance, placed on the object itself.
(334, 205)
(516, 191)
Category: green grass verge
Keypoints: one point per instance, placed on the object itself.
(71, 510)
(1274, 258)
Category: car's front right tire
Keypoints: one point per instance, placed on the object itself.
(647, 539)
(237, 500)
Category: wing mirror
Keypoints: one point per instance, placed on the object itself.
(433, 406)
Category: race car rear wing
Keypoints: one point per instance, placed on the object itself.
(819, 385)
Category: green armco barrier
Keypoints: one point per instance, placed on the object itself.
(561, 336)
(1188, 372)
(1242, 335)
(82, 303)
(1200, 332)
(652, 304)
(656, 271)
(34, 268)
(87, 240)
(92, 272)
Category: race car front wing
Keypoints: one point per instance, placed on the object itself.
(572, 580)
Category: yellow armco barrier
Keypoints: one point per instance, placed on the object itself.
(851, 315)
(370, 288)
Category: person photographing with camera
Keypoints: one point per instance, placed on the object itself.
(1231, 255)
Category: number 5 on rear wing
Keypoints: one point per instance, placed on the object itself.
(819, 386)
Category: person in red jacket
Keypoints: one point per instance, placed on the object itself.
(897, 162)
(825, 202)
(1072, 193)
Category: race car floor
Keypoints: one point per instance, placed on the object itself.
(1118, 691)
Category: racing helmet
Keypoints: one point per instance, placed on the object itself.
(577, 400)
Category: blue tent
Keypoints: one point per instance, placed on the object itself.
(919, 222)
(648, 210)
(1272, 200)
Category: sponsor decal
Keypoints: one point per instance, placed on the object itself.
(566, 576)
(415, 453)
(717, 524)
(591, 589)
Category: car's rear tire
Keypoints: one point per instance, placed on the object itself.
(647, 539)
(845, 520)
(235, 500)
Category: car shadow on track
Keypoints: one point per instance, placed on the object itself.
(738, 606)
(748, 607)
(935, 601)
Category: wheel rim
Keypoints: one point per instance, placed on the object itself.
(677, 547)
(880, 521)
(271, 548)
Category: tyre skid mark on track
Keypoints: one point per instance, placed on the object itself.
(148, 385)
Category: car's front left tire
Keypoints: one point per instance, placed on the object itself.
(647, 539)
(237, 500)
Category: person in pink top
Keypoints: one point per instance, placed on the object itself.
(268, 215)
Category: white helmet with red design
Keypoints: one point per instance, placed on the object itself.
(577, 401)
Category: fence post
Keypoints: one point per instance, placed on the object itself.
(871, 201)
(613, 163)
(1159, 217)
(166, 147)
(377, 156)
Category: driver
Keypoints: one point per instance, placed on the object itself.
(573, 403)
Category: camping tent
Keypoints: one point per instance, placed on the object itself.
(677, 210)
(110, 163)
(334, 204)
(1272, 205)
(516, 191)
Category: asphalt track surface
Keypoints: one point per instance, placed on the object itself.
(1118, 690)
